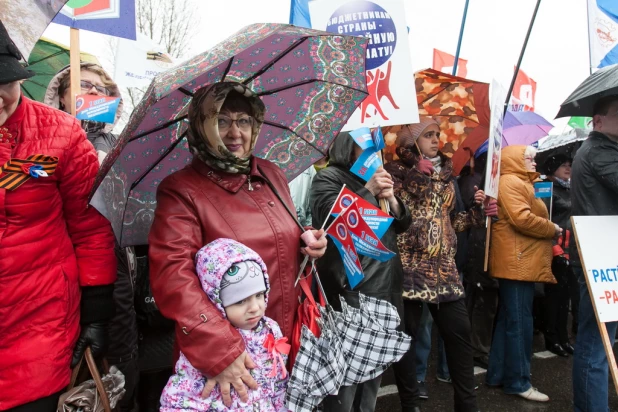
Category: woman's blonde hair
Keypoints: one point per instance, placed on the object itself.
(107, 81)
(530, 151)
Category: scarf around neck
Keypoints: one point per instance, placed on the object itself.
(203, 136)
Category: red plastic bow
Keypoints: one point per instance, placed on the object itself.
(276, 348)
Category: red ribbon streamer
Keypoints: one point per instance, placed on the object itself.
(276, 348)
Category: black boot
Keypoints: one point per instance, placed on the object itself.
(558, 350)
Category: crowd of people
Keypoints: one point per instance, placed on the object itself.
(227, 242)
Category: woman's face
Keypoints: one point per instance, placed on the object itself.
(90, 83)
(9, 99)
(564, 171)
(530, 163)
(429, 141)
(235, 129)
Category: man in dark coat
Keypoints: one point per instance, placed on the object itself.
(382, 280)
(594, 192)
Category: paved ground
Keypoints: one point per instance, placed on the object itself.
(551, 375)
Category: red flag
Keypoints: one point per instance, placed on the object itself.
(342, 238)
(444, 63)
(524, 93)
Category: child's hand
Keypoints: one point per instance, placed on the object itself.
(236, 374)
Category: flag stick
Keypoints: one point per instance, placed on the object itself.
(332, 207)
(75, 68)
(461, 32)
(521, 56)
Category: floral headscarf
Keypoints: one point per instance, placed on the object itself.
(204, 138)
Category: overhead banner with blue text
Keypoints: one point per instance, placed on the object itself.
(390, 79)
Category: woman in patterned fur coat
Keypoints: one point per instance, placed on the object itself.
(425, 183)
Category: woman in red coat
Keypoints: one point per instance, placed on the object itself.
(224, 193)
(57, 262)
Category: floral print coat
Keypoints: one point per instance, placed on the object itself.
(183, 391)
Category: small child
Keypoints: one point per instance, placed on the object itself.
(234, 277)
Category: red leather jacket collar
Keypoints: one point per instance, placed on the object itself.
(232, 182)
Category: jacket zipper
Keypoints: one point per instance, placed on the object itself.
(249, 181)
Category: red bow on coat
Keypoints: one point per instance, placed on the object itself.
(276, 348)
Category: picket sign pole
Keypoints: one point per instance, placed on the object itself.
(551, 201)
(506, 106)
(609, 351)
(75, 68)
(487, 237)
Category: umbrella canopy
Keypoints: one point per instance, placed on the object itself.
(564, 139)
(46, 60)
(26, 20)
(524, 128)
(462, 108)
(310, 82)
(603, 82)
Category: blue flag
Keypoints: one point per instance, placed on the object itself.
(363, 138)
(378, 138)
(367, 164)
(543, 190)
(299, 13)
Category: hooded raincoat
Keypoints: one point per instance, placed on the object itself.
(521, 239)
(184, 389)
(99, 134)
(383, 280)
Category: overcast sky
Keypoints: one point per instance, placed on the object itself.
(556, 57)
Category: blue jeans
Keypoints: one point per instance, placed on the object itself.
(511, 348)
(423, 348)
(590, 369)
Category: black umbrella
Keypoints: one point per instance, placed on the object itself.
(599, 84)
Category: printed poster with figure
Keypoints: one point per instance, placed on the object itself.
(390, 80)
(494, 147)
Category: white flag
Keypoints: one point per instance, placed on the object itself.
(603, 32)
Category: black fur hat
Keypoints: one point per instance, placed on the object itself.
(10, 67)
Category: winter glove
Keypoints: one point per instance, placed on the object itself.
(97, 310)
(95, 335)
(425, 166)
(491, 208)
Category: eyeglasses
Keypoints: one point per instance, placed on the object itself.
(243, 123)
(86, 85)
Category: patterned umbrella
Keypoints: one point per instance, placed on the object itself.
(310, 82)
(462, 108)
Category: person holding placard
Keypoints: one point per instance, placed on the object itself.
(520, 255)
(594, 193)
(423, 179)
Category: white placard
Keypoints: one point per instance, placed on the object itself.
(596, 238)
(390, 79)
(139, 61)
(494, 147)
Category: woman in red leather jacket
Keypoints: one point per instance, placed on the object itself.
(224, 193)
